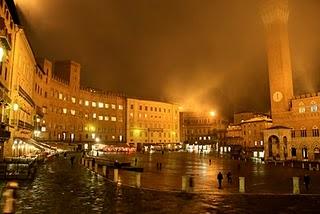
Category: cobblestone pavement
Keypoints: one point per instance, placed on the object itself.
(62, 188)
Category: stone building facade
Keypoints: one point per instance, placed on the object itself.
(203, 128)
(296, 119)
(152, 123)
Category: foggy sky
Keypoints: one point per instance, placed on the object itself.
(205, 52)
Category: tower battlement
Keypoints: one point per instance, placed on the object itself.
(273, 11)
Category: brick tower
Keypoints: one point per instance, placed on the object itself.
(275, 14)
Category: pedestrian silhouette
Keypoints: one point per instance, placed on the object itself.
(229, 176)
(72, 160)
(209, 161)
(220, 177)
(135, 161)
(306, 180)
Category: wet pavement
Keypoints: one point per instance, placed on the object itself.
(62, 188)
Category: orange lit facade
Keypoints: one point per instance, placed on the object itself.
(152, 123)
(296, 119)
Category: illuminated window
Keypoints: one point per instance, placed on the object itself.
(139, 115)
(43, 128)
(314, 107)
(44, 109)
(113, 119)
(60, 96)
(94, 115)
(261, 143)
(100, 117)
(64, 110)
(302, 108)
(73, 99)
(94, 104)
(93, 135)
(145, 115)
(86, 103)
(86, 115)
(131, 114)
(100, 105)
(73, 112)
(80, 102)
(106, 105)
(106, 118)
(113, 106)
(120, 107)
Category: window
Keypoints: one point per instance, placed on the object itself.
(113, 106)
(60, 96)
(65, 110)
(120, 107)
(86, 115)
(131, 114)
(94, 104)
(314, 107)
(146, 108)
(302, 108)
(131, 106)
(73, 99)
(44, 109)
(106, 118)
(293, 133)
(100, 117)
(303, 132)
(94, 115)
(80, 102)
(315, 132)
(106, 105)
(100, 105)
(73, 112)
(86, 103)
(113, 119)
(151, 108)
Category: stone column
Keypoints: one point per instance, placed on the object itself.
(82, 161)
(242, 185)
(138, 179)
(184, 187)
(115, 175)
(296, 188)
(96, 167)
(104, 171)
(90, 164)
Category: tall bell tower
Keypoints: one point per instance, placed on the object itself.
(275, 14)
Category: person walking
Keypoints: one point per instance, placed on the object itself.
(306, 180)
(72, 160)
(135, 161)
(220, 178)
(229, 176)
(209, 161)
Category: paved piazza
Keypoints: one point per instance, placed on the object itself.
(62, 188)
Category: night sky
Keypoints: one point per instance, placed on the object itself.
(205, 53)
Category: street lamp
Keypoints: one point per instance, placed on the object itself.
(212, 113)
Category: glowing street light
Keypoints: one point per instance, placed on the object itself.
(15, 107)
(212, 113)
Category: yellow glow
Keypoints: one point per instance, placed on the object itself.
(212, 113)
(15, 107)
(1, 53)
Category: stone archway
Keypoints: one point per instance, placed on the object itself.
(274, 147)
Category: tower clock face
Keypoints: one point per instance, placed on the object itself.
(277, 96)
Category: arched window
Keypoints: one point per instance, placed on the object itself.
(293, 133)
(303, 132)
(315, 131)
(302, 108)
(314, 107)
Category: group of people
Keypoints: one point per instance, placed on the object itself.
(220, 178)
